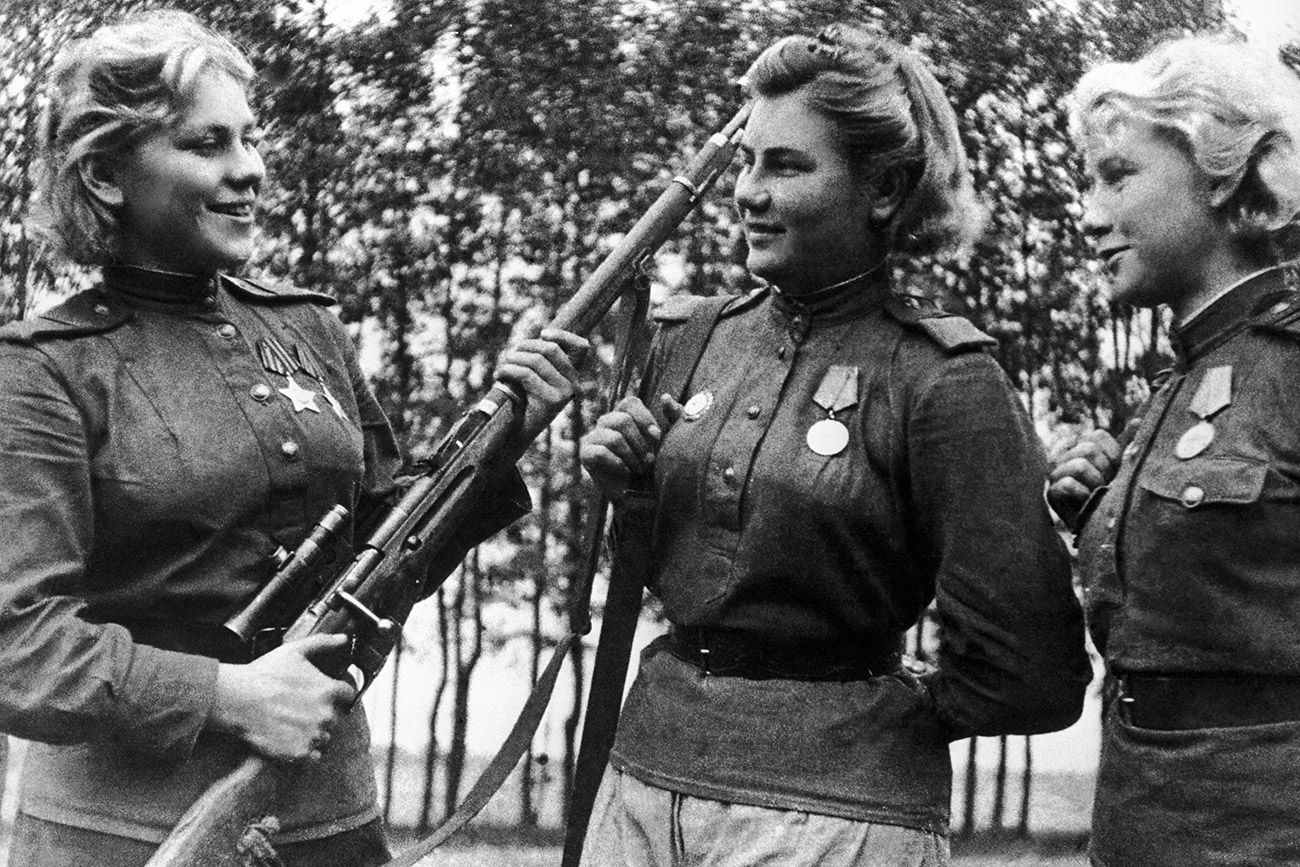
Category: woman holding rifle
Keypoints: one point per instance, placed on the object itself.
(160, 436)
(845, 454)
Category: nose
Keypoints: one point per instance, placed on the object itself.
(751, 194)
(246, 168)
(1095, 222)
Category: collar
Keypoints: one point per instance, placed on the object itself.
(166, 291)
(1225, 316)
(847, 299)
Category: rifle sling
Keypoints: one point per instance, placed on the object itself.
(494, 776)
(629, 569)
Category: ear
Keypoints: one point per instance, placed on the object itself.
(887, 191)
(100, 177)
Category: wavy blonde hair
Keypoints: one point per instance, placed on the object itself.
(107, 92)
(1233, 109)
(889, 112)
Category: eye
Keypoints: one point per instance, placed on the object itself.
(1115, 175)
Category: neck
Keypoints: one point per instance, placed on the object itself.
(1220, 275)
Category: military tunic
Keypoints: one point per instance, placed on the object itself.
(1191, 568)
(152, 456)
(937, 491)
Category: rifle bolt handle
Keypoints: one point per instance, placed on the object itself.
(386, 628)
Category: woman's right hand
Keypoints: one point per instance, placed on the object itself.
(622, 444)
(1090, 462)
(281, 704)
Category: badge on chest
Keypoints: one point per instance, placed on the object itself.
(1212, 395)
(837, 393)
(277, 359)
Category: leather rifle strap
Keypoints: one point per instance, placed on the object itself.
(630, 358)
(629, 568)
(502, 764)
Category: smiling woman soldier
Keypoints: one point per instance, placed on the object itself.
(847, 455)
(160, 436)
(1190, 556)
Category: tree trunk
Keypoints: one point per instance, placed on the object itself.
(431, 751)
(537, 641)
(467, 654)
(1026, 784)
(1000, 786)
(972, 783)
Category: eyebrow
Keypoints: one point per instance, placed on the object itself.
(778, 150)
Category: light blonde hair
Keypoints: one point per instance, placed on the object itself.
(1233, 109)
(107, 92)
(889, 112)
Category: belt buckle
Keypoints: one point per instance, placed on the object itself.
(1126, 699)
(700, 639)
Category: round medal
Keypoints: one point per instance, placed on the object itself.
(828, 437)
(697, 405)
(1195, 441)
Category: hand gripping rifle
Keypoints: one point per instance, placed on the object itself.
(369, 596)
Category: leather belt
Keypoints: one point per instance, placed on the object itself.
(733, 653)
(1179, 702)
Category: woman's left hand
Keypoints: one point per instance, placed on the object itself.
(543, 368)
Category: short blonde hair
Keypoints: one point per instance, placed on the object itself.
(106, 92)
(889, 112)
(1233, 109)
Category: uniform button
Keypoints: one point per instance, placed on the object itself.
(261, 391)
(228, 331)
(289, 449)
(1110, 525)
(1131, 451)
(729, 474)
(210, 302)
(1193, 496)
(780, 352)
(101, 309)
(754, 411)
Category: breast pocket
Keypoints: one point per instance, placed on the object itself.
(1206, 483)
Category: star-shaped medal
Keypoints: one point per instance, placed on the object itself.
(332, 401)
(303, 398)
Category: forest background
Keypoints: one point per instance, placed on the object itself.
(450, 171)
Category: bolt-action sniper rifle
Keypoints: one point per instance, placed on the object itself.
(369, 596)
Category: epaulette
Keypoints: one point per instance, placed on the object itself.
(252, 290)
(85, 313)
(1281, 317)
(676, 309)
(951, 332)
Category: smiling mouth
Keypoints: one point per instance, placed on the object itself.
(237, 210)
(762, 229)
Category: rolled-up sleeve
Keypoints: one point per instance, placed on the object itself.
(62, 678)
(1012, 657)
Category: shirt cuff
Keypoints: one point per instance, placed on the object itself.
(165, 701)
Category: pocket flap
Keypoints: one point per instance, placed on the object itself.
(1207, 480)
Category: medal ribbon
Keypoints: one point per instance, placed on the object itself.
(838, 389)
(1213, 394)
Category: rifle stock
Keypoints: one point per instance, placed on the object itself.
(370, 597)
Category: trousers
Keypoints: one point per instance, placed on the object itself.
(634, 824)
(38, 843)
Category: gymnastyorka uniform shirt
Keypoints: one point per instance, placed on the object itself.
(160, 437)
(937, 490)
(1191, 565)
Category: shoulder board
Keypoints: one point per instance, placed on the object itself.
(951, 332)
(82, 314)
(676, 309)
(1281, 317)
(252, 290)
